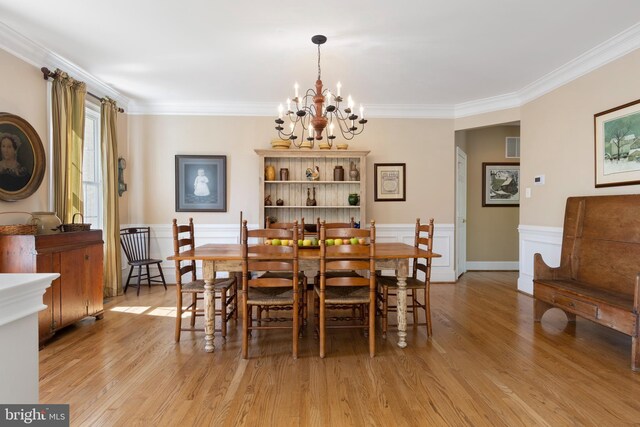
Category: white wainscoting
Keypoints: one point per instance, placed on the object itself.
(546, 241)
(162, 244)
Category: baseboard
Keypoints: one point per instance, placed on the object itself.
(492, 265)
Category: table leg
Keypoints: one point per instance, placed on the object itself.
(402, 272)
(209, 317)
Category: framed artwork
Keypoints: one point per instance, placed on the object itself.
(201, 183)
(22, 160)
(617, 145)
(390, 182)
(500, 184)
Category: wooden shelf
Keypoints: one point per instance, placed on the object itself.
(331, 196)
(312, 207)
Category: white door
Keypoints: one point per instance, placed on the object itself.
(461, 212)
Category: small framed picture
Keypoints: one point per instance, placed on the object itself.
(500, 184)
(201, 183)
(22, 160)
(390, 182)
(617, 145)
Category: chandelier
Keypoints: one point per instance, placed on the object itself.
(318, 113)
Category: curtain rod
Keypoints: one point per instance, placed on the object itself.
(48, 74)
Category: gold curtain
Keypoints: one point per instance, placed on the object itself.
(111, 215)
(68, 97)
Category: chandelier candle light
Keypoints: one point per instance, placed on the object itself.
(317, 113)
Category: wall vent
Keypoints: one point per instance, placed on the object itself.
(512, 147)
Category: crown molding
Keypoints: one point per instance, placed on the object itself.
(268, 109)
(39, 56)
(610, 50)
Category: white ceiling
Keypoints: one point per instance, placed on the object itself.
(402, 55)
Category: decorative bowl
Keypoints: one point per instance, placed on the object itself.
(342, 146)
(324, 146)
(281, 144)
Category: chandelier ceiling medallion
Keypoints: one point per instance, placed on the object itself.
(317, 114)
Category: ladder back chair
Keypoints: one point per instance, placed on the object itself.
(136, 245)
(225, 290)
(340, 288)
(301, 277)
(279, 292)
(420, 280)
(327, 225)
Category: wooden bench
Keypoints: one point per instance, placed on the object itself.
(598, 274)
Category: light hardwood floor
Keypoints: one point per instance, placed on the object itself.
(487, 364)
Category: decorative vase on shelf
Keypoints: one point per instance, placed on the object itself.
(284, 174)
(267, 200)
(338, 173)
(311, 201)
(354, 173)
(354, 199)
(280, 202)
(269, 173)
(47, 222)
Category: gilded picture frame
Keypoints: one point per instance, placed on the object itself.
(22, 158)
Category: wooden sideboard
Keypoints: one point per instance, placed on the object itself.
(77, 256)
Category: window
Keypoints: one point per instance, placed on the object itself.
(91, 168)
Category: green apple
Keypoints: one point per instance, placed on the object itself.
(329, 242)
(284, 242)
(354, 240)
(306, 242)
(337, 242)
(300, 242)
(276, 242)
(314, 242)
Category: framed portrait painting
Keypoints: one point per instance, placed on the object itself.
(22, 160)
(390, 182)
(201, 183)
(500, 184)
(617, 145)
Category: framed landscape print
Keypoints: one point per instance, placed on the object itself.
(500, 184)
(201, 183)
(22, 160)
(617, 145)
(390, 182)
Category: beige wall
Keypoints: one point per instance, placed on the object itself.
(557, 138)
(23, 92)
(426, 146)
(492, 232)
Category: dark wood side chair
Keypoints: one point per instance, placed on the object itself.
(420, 280)
(136, 245)
(341, 289)
(279, 292)
(225, 290)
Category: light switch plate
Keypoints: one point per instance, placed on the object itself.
(538, 180)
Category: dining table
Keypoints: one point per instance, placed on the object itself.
(220, 257)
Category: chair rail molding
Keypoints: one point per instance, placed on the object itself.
(442, 269)
(534, 239)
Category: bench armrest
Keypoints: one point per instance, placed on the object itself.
(541, 271)
(636, 294)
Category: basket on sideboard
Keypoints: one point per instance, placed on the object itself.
(67, 228)
(19, 229)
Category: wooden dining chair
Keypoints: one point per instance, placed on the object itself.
(279, 292)
(136, 244)
(327, 225)
(301, 276)
(225, 290)
(420, 280)
(340, 288)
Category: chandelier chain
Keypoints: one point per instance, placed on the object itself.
(319, 62)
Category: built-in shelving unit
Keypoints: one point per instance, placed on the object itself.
(332, 197)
